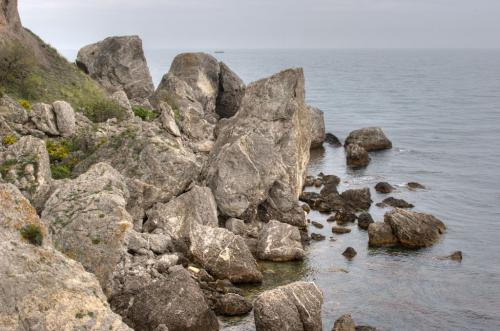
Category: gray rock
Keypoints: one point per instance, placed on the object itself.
(343, 217)
(65, 118)
(261, 155)
(344, 323)
(11, 111)
(414, 230)
(317, 127)
(317, 237)
(349, 253)
(239, 227)
(118, 63)
(44, 118)
(371, 139)
(396, 203)
(233, 304)
(26, 165)
(331, 139)
(380, 234)
(41, 288)
(167, 120)
(364, 220)
(280, 242)
(415, 186)
(384, 188)
(330, 183)
(356, 156)
(231, 92)
(357, 199)
(294, 307)
(175, 302)
(121, 98)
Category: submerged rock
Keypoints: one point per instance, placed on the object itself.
(356, 156)
(371, 139)
(280, 242)
(294, 307)
(384, 188)
(415, 185)
(455, 256)
(317, 127)
(331, 139)
(344, 323)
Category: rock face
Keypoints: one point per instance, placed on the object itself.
(294, 307)
(176, 302)
(380, 234)
(317, 127)
(280, 242)
(41, 288)
(356, 156)
(231, 92)
(260, 158)
(26, 165)
(371, 139)
(88, 221)
(414, 230)
(118, 63)
(9, 16)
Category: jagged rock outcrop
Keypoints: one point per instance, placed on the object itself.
(356, 156)
(260, 158)
(371, 139)
(294, 307)
(231, 92)
(317, 127)
(118, 63)
(9, 16)
(280, 242)
(26, 165)
(41, 288)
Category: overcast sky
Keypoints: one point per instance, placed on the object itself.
(205, 24)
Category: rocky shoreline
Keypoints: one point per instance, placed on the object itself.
(148, 211)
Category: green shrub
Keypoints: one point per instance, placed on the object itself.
(101, 110)
(60, 171)
(143, 113)
(58, 150)
(32, 233)
(25, 104)
(9, 140)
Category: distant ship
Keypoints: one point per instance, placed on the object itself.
(218, 52)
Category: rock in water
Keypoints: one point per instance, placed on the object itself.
(415, 185)
(232, 304)
(356, 156)
(414, 230)
(261, 156)
(294, 307)
(118, 63)
(41, 288)
(350, 253)
(380, 234)
(357, 199)
(364, 220)
(340, 230)
(332, 140)
(384, 188)
(317, 127)
(231, 92)
(396, 203)
(344, 323)
(176, 302)
(371, 139)
(280, 242)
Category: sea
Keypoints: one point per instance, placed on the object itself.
(441, 110)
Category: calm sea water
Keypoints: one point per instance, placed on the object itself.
(441, 109)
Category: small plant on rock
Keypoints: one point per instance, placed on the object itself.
(33, 234)
(9, 140)
(143, 113)
(25, 104)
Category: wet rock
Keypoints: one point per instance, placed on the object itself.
(310, 198)
(330, 183)
(41, 288)
(318, 182)
(455, 256)
(396, 203)
(317, 127)
(356, 156)
(232, 304)
(309, 181)
(384, 187)
(331, 139)
(317, 237)
(344, 217)
(344, 323)
(380, 234)
(26, 165)
(364, 220)
(160, 304)
(331, 202)
(349, 253)
(118, 63)
(357, 199)
(261, 156)
(415, 185)
(306, 208)
(317, 225)
(340, 230)
(414, 230)
(280, 242)
(371, 139)
(294, 307)
(231, 92)
(65, 118)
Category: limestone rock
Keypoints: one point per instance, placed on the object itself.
(231, 92)
(262, 153)
(41, 288)
(380, 234)
(280, 242)
(167, 120)
(121, 98)
(356, 156)
(371, 139)
(317, 127)
(233, 304)
(26, 165)
(44, 118)
(344, 323)
(118, 63)
(12, 112)
(294, 307)
(65, 118)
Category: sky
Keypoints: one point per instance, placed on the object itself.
(248, 24)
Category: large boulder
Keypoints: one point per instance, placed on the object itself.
(280, 242)
(175, 303)
(44, 118)
(261, 155)
(356, 156)
(26, 165)
(371, 139)
(41, 288)
(65, 118)
(231, 92)
(294, 307)
(223, 254)
(380, 234)
(357, 199)
(118, 63)
(317, 127)
(414, 230)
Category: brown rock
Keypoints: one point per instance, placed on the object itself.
(364, 220)
(384, 187)
(344, 323)
(356, 156)
(380, 234)
(349, 253)
(340, 230)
